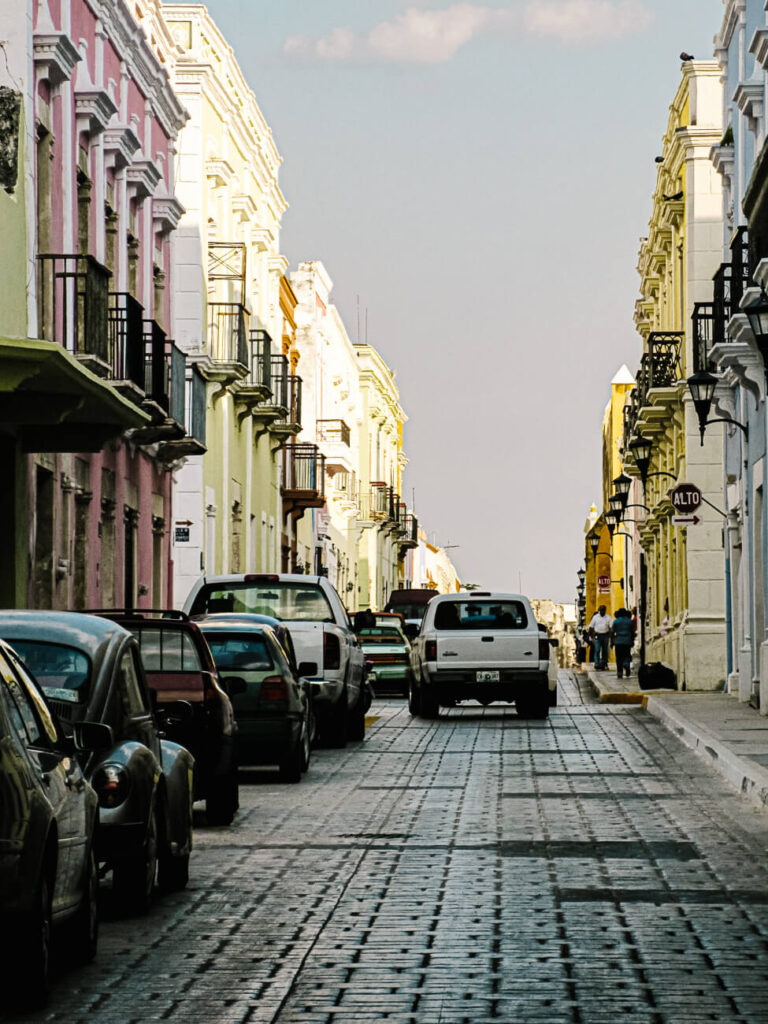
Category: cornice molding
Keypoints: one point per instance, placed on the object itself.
(94, 109)
(120, 145)
(143, 177)
(167, 211)
(55, 57)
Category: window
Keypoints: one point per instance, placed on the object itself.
(297, 602)
(18, 706)
(129, 686)
(167, 650)
(239, 652)
(34, 696)
(63, 672)
(485, 615)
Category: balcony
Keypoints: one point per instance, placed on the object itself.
(165, 368)
(334, 438)
(255, 388)
(303, 479)
(227, 358)
(410, 535)
(288, 385)
(657, 381)
(193, 441)
(126, 344)
(73, 308)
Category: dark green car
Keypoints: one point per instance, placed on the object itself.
(271, 701)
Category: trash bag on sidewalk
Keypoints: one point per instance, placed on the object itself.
(656, 675)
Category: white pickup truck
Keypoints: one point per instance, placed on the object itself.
(485, 647)
(321, 632)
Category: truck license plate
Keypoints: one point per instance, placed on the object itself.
(487, 677)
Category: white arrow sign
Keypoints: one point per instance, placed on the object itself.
(685, 520)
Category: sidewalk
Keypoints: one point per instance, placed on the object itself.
(729, 735)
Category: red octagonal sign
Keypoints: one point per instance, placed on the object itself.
(685, 498)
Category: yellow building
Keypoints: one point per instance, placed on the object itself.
(684, 597)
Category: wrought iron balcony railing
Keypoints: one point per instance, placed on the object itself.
(279, 381)
(228, 332)
(303, 478)
(73, 306)
(165, 372)
(195, 419)
(710, 319)
(410, 538)
(260, 373)
(703, 319)
(333, 430)
(126, 338)
(660, 363)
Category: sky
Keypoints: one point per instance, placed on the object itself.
(477, 178)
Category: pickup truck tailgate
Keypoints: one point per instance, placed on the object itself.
(307, 641)
(470, 650)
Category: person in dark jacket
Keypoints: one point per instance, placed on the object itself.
(622, 637)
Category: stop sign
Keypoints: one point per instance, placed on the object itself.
(686, 497)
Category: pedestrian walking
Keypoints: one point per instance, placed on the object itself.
(622, 635)
(600, 632)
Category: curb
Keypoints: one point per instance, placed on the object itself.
(746, 776)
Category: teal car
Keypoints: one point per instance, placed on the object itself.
(388, 652)
(270, 698)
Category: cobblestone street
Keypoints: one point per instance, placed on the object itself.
(478, 868)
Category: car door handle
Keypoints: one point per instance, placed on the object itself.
(487, 639)
(450, 654)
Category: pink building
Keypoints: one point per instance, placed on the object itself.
(115, 400)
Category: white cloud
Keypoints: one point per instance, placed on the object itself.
(586, 21)
(419, 36)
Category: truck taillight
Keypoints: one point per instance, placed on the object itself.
(273, 688)
(543, 648)
(431, 650)
(331, 651)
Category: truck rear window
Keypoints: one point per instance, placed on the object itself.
(485, 615)
(167, 650)
(297, 602)
(239, 652)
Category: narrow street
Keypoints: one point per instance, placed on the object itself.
(586, 869)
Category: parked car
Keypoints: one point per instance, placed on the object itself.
(481, 646)
(321, 631)
(411, 604)
(179, 666)
(274, 709)
(90, 670)
(48, 820)
(389, 652)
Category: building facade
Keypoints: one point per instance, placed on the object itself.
(86, 336)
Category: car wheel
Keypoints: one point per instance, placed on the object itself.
(357, 720)
(430, 707)
(30, 968)
(292, 764)
(172, 872)
(414, 699)
(336, 728)
(222, 800)
(85, 924)
(306, 748)
(134, 879)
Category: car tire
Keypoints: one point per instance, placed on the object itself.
(535, 707)
(292, 764)
(223, 800)
(357, 720)
(133, 879)
(172, 872)
(430, 706)
(336, 727)
(414, 699)
(30, 968)
(84, 929)
(306, 748)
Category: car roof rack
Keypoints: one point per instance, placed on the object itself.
(139, 613)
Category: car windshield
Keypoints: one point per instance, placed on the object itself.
(63, 672)
(411, 611)
(381, 635)
(166, 650)
(487, 615)
(240, 652)
(297, 602)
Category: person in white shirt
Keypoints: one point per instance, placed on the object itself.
(600, 632)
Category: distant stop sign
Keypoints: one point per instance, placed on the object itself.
(686, 498)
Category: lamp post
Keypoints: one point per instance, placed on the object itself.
(702, 386)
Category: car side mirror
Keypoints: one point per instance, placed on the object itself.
(553, 642)
(234, 685)
(92, 736)
(179, 712)
(308, 668)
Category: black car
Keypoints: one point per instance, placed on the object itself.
(48, 820)
(91, 669)
(179, 666)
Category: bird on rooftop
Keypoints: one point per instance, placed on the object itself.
(686, 56)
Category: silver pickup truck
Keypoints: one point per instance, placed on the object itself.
(485, 647)
(321, 633)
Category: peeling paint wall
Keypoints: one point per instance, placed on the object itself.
(10, 116)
